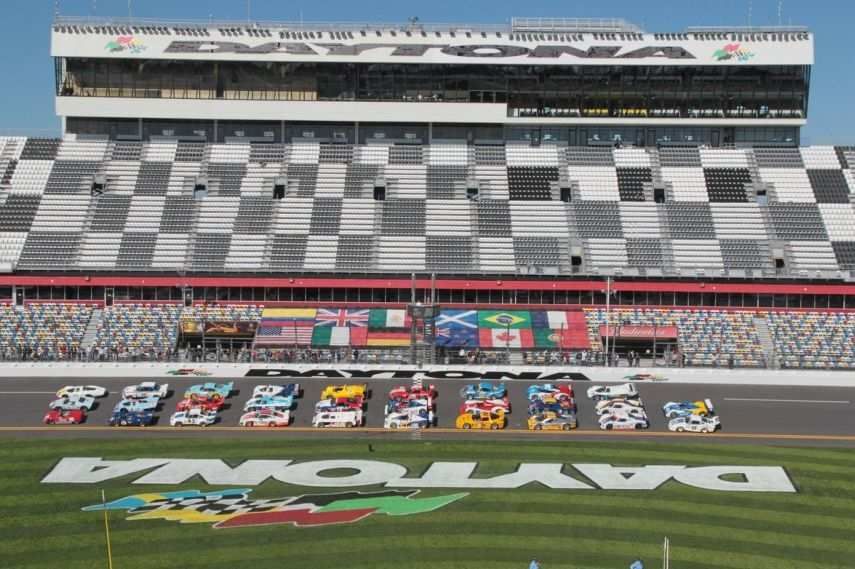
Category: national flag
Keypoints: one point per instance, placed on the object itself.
(331, 336)
(457, 337)
(388, 338)
(454, 319)
(500, 338)
(289, 313)
(566, 339)
(514, 319)
(550, 319)
(342, 317)
(389, 318)
(297, 333)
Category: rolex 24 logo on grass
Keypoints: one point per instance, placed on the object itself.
(233, 509)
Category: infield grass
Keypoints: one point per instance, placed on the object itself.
(43, 526)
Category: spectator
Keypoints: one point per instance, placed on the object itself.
(534, 564)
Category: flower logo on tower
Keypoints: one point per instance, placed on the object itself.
(733, 51)
(128, 44)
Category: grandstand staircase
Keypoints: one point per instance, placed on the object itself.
(765, 337)
(667, 250)
(91, 333)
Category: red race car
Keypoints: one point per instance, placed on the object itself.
(204, 403)
(65, 417)
(489, 405)
(402, 392)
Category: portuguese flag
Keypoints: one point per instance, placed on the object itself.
(513, 319)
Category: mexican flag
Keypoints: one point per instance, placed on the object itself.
(515, 319)
(388, 318)
(501, 338)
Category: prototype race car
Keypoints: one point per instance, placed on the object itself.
(694, 424)
(674, 409)
(413, 418)
(601, 392)
(631, 412)
(601, 406)
(340, 404)
(126, 419)
(403, 392)
(189, 371)
(645, 377)
(201, 403)
(623, 423)
(346, 391)
(349, 419)
(546, 390)
(272, 402)
(210, 390)
(65, 417)
(489, 405)
(481, 420)
(402, 405)
(73, 402)
(287, 390)
(483, 390)
(89, 390)
(552, 422)
(136, 405)
(193, 418)
(265, 418)
(625, 406)
(146, 389)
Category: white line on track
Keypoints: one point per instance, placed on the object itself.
(27, 392)
(828, 402)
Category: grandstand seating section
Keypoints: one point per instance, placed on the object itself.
(814, 339)
(48, 330)
(129, 328)
(726, 212)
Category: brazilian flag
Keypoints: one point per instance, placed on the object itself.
(514, 319)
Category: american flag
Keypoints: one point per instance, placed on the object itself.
(297, 333)
(342, 317)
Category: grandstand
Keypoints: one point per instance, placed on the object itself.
(212, 174)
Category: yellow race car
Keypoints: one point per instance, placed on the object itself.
(481, 420)
(344, 391)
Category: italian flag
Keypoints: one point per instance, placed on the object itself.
(338, 336)
(388, 318)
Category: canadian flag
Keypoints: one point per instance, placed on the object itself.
(504, 338)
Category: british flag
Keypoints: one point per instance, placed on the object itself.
(342, 317)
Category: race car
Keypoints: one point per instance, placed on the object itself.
(562, 408)
(560, 391)
(136, 405)
(273, 402)
(623, 423)
(602, 406)
(483, 390)
(189, 371)
(402, 405)
(413, 418)
(552, 422)
(193, 418)
(645, 377)
(631, 412)
(346, 391)
(619, 406)
(349, 419)
(210, 390)
(601, 392)
(489, 405)
(90, 390)
(200, 402)
(126, 419)
(674, 409)
(694, 424)
(403, 392)
(145, 389)
(287, 390)
(73, 402)
(65, 417)
(340, 404)
(481, 420)
(265, 418)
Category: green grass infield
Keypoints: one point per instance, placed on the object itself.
(43, 525)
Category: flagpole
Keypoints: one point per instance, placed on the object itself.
(608, 319)
(107, 530)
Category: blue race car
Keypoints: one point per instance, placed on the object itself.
(560, 408)
(277, 402)
(288, 389)
(210, 390)
(674, 409)
(131, 419)
(137, 405)
(483, 390)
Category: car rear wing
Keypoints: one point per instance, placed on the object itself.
(710, 406)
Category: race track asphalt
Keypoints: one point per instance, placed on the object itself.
(783, 415)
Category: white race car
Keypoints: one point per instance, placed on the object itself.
(292, 389)
(146, 389)
(73, 402)
(616, 407)
(694, 424)
(195, 417)
(601, 392)
(631, 412)
(349, 418)
(601, 406)
(265, 418)
(90, 390)
(411, 418)
(622, 423)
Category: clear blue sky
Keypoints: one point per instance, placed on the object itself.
(26, 70)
